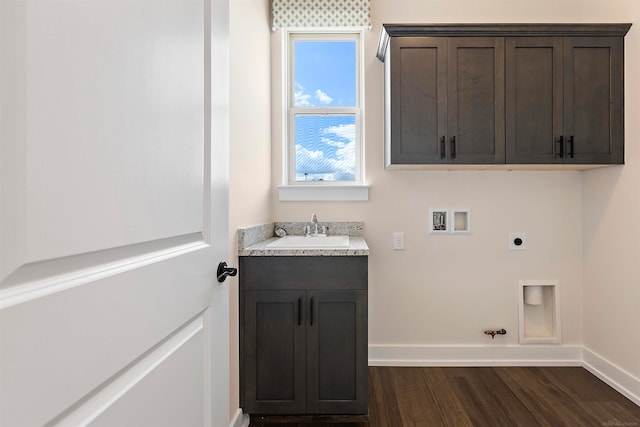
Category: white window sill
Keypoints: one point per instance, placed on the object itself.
(324, 193)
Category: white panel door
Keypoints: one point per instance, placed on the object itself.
(113, 213)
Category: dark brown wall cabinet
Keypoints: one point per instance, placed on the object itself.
(447, 100)
(303, 335)
(503, 94)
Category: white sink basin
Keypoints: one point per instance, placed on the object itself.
(310, 242)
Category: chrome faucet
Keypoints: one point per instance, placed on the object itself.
(314, 230)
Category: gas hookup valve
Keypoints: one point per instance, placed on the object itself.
(494, 332)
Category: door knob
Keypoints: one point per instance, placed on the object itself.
(224, 271)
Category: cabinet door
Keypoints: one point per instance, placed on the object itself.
(475, 113)
(337, 352)
(534, 79)
(274, 352)
(418, 100)
(593, 89)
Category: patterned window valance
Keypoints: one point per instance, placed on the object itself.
(321, 13)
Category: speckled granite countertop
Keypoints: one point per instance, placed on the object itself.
(253, 241)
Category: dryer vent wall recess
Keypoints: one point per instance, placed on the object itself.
(539, 312)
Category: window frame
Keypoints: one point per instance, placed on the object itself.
(290, 111)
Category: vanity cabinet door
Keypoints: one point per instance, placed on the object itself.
(593, 97)
(274, 352)
(337, 352)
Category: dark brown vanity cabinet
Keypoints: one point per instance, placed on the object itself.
(503, 94)
(303, 335)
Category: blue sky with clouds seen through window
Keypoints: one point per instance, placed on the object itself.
(325, 76)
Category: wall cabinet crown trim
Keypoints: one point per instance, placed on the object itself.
(497, 30)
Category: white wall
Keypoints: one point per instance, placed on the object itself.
(250, 151)
(611, 228)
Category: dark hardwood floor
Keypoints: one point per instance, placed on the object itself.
(486, 396)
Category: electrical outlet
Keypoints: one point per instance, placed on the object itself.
(517, 241)
(398, 241)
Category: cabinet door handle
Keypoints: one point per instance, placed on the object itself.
(561, 148)
(443, 147)
(453, 147)
(299, 311)
(571, 146)
(311, 312)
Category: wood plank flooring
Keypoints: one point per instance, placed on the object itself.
(485, 397)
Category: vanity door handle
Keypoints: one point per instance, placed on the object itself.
(311, 312)
(443, 147)
(299, 311)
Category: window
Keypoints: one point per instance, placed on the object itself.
(323, 109)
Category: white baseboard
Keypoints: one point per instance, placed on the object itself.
(239, 419)
(480, 355)
(619, 379)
